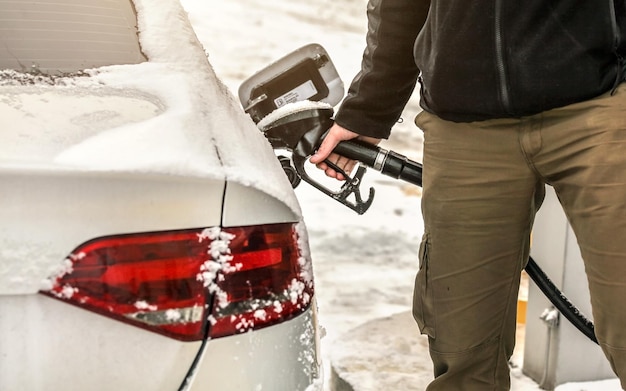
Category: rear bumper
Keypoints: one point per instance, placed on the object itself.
(281, 357)
(49, 345)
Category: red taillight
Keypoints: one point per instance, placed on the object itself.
(148, 280)
(173, 283)
(270, 281)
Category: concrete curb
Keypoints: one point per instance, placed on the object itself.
(390, 354)
(384, 354)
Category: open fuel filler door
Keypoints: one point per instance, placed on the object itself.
(306, 74)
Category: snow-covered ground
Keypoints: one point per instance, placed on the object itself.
(364, 265)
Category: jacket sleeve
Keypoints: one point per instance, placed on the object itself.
(379, 92)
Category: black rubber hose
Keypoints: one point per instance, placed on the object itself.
(389, 163)
(558, 299)
(400, 167)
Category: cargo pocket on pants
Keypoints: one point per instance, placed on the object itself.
(422, 293)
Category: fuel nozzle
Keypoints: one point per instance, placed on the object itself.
(300, 128)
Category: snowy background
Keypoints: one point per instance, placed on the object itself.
(364, 265)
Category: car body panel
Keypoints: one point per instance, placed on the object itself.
(290, 367)
(46, 214)
(158, 363)
(157, 145)
(44, 330)
(56, 346)
(243, 206)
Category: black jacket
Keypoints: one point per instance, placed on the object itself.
(482, 59)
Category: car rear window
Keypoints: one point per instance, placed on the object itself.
(58, 37)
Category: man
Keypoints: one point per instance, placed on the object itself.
(516, 95)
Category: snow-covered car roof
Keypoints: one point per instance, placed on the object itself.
(170, 115)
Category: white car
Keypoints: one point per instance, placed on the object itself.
(149, 239)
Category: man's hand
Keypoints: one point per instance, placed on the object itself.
(335, 135)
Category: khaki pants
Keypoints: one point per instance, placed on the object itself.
(483, 183)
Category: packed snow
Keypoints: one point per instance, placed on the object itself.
(365, 265)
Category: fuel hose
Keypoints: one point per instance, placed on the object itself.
(558, 299)
(387, 162)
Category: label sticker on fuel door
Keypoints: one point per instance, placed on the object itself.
(302, 92)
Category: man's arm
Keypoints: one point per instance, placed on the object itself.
(381, 89)
(388, 75)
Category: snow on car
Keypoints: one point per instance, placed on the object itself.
(148, 237)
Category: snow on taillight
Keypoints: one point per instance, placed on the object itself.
(175, 282)
(266, 277)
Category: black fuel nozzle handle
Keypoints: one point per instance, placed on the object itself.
(387, 162)
(301, 132)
